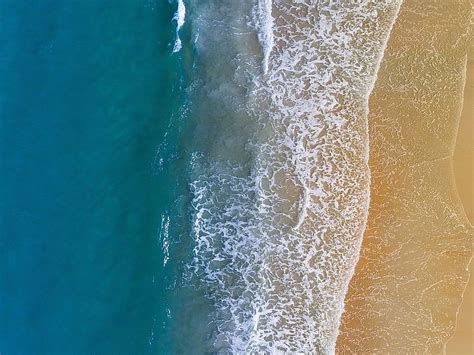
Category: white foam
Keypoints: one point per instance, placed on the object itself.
(370, 87)
(264, 25)
(304, 204)
(179, 17)
(164, 238)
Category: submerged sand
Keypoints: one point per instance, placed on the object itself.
(412, 273)
(463, 163)
(463, 158)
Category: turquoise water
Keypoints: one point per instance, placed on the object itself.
(88, 89)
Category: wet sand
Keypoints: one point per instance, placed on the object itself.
(462, 343)
(409, 281)
(463, 160)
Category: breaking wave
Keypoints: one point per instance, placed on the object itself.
(179, 18)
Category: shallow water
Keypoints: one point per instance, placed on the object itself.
(463, 161)
(278, 168)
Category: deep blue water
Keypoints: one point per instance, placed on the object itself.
(88, 89)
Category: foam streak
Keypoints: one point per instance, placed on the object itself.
(179, 18)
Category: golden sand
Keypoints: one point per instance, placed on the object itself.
(463, 162)
(462, 343)
(463, 159)
(412, 272)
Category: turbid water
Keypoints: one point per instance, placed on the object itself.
(279, 173)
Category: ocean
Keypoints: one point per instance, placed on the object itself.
(87, 91)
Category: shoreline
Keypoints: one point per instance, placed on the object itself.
(408, 283)
(462, 340)
(370, 89)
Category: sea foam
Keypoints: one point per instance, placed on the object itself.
(179, 18)
(281, 183)
(164, 238)
(264, 25)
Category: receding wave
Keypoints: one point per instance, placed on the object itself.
(279, 172)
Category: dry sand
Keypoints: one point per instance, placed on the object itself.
(409, 281)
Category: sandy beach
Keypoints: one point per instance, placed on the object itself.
(463, 160)
(410, 279)
(464, 152)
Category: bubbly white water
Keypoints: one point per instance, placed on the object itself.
(164, 238)
(263, 20)
(179, 18)
(281, 182)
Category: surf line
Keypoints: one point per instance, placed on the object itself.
(264, 25)
(179, 18)
(370, 88)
